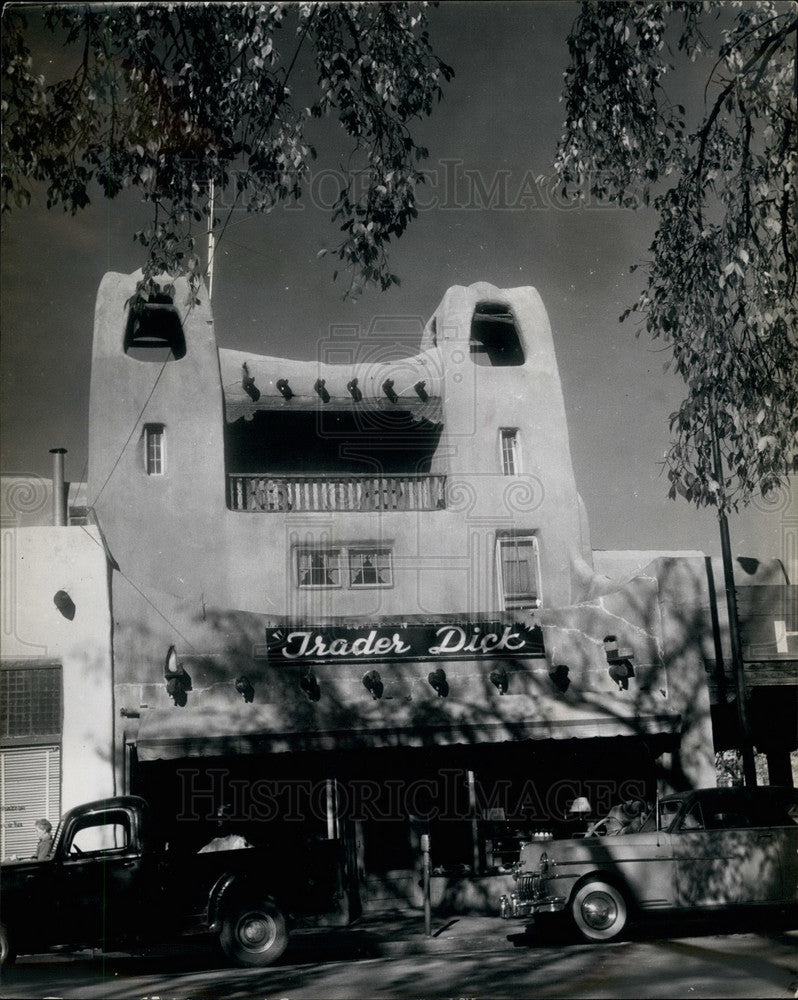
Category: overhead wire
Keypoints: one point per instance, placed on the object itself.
(141, 593)
(217, 239)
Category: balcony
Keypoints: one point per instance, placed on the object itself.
(331, 493)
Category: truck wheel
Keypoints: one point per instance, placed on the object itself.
(599, 911)
(7, 953)
(253, 933)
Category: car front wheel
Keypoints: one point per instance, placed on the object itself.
(254, 933)
(599, 911)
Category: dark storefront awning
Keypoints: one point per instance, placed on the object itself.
(169, 734)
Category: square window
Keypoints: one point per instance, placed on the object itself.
(370, 568)
(519, 572)
(154, 449)
(319, 568)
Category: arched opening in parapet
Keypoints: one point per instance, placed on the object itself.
(154, 331)
(495, 341)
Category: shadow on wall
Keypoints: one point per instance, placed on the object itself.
(661, 627)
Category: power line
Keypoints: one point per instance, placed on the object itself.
(138, 590)
(132, 431)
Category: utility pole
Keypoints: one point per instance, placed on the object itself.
(211, 241)
(746, 744)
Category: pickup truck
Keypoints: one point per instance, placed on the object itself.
(110, 880)
(698, 851)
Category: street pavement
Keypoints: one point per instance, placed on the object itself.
(465, 958)
(399, 935)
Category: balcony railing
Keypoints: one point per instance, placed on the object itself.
(357, 493)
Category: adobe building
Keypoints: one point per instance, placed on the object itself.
(355, 598)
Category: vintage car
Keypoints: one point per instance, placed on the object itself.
(696, 851)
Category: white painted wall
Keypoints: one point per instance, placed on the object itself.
(38, 562)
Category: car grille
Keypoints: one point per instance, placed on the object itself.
(527, 887)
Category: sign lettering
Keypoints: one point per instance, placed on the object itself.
(435, 641)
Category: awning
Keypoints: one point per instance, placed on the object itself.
(206, 731)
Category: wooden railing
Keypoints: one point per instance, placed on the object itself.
(286, 493)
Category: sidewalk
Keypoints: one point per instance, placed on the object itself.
(404, 934)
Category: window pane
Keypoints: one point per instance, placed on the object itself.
(509, 451)
(100, 837)
(519, 572)
(154, 449)
(518, 576)
(30, 788)
(370, 568)
(31, 701)
(318, 568)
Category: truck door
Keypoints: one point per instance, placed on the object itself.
(100, 891)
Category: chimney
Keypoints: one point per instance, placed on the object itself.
(59, 490)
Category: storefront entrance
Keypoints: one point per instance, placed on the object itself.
(366, 810)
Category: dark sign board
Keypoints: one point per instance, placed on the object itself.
(380, 643)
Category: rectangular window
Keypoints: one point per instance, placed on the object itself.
(370, 568)
(31, 702)
(319, 568)
(519, 571)
(30, 787)
(511, 464)
(353, 567)
(154, 449)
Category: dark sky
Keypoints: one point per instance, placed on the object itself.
(484, 218)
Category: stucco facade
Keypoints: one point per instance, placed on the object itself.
(268, 461)
(70, 641)
(443, 557)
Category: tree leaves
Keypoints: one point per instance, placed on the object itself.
(721, 278)
(166, 98)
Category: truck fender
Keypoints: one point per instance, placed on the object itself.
(220, 891)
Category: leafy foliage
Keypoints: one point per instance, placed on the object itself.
(721, 279)
(167, 98)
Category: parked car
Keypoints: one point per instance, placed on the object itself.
(109, 880)
(697, 851)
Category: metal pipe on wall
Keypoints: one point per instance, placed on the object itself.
(59, 488)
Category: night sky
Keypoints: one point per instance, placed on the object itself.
(490, 212)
